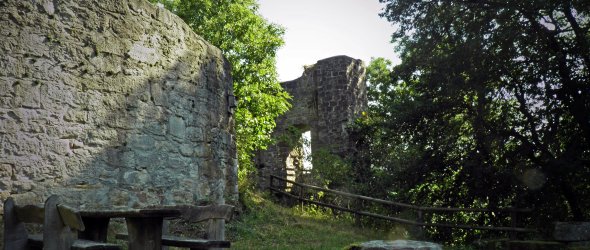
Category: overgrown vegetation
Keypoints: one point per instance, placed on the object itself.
(266, 225)
(263, 224)
(490, 107)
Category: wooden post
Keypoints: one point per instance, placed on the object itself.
(301, 197)
(165, 231)
(357, 216)
(56, 235)
(271, 182)
(15, 234)
(513, 224)
(148, 233)
(216, 230)
(96, 229)
(418, 228)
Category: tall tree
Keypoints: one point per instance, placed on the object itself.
(491, 101)
(250, 44)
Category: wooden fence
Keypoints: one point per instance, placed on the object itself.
(300, 196)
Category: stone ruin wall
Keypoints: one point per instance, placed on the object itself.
(112, 102)
(327, 98)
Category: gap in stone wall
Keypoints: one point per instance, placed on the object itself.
(326, 99)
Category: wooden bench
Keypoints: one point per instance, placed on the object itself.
(60, 224)
(215, 214)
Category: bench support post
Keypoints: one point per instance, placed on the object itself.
(96, 229)
(148, 230)
(15, 234)
(56, 235)
(216, 229)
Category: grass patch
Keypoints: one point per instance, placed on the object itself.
(266, 225)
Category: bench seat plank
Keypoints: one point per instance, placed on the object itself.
(127, 212)
(35, 241)
(70, 217)
(93, 245)
(175, 241)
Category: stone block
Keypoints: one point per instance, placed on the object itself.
(34, 43)
(112, 45)
(141, 142)
(107, 64)
(572, 231)
(117, 6)
(128, 158)
(6, 184)
(155, 128)
(159, 97)
(6, 170)
(77, 116)
(6, 89)
(149, 160)
(118, 197)
(136, 178)
(202, 150)
(60, 147)
(396, 245)
(23, 185)
(177, 127)
(187, 150)
(143, 53)
(27, 94)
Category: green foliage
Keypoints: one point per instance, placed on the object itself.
(292, 138)
(331, 170)
(489, 107)
(328, 169)
(250, 43)
(266, 225)
(263, 224)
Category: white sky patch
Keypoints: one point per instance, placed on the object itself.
(307, 151)
(318, 29)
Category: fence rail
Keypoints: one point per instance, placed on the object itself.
(419, 209)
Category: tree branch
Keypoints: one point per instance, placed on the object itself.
(529, 120)
(580, 35)
(570, 92)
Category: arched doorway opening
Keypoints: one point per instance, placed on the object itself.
(298, 162)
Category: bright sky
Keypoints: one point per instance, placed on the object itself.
(317, 29)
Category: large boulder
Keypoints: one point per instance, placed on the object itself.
(397, 245)
(572, 231)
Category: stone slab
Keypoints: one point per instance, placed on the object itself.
(572, 231)
(397, 245)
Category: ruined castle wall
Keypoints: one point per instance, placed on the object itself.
(111, 102)
(327, 98)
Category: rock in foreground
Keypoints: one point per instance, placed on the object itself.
(397, 245)
(572, 231)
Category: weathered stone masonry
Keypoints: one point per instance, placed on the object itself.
(327, 98)
(111, 102)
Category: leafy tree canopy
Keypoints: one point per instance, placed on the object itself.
(250, 44)
(489, 107)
